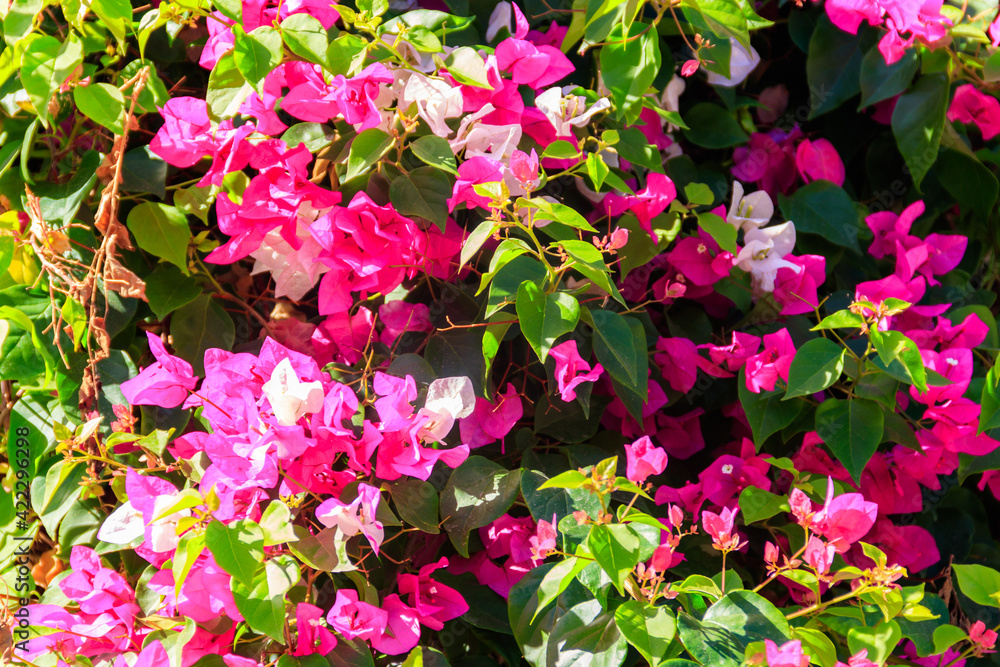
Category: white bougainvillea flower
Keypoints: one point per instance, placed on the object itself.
(435, 101)
(751, 211)
(448, 399)
(566, 111)
(124, 525)
(763, 254)
(355, 517)
(290, 398)
(741, 63)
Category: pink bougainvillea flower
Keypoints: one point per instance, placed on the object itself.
(971, 105)
(474, 171)
(734, 356)
(819, 555)
(679, 361)
(402, 628)
(700, 259)
(355, 619)
(728, 475)
(819, 160)
(313, 636)
(152, 655)
(488, 422)
(572, 370)
(788, 654)
(982, 638)
(763, 370)
(955, 364)
(434, 603)
(500, 19)
(544, 540)
(720, 527)
(166, 383)
(355, 517)
(536, 66)
(186, 135)
(844, 519)
(796, 290)
(859, 659)
(524, 168)
(643, 459)
(890, 228)
(399, 317)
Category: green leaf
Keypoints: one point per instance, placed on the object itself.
(615, 347)
(892, 345)
(276, 524)
(545, 317)
(256, 53)
(649, 629)
(817, 365)
(766, 411)
(989, 417)
(879, 641)
(615, 547)
(546, 210)
(708, 643)
(198, 326)
(424, 656)
(557, 580)
(720, 230)
(493, 335)
(842, 319)
(326, 550)
(477, 493)
(712, 126)
(162, 231)
(144, 171)
(725, 18)
(979, 583)
(263, 604)
(475, 240)
(417, 504)
(508, 278)
(630, 61)
(436, 152)
(560, 149)
(20, 20)
(45, 66)
(968, 180)
(115, 15)
(238, 548)
(852, 429)
(758, 504)
(167, 289)
(6, 253)
(351, 653)
(825, 209)
(306, 37)
(880, 81)
(189, 548)
(586, 635)
(533, 633)
(833, 67)
(597, 169)
(424, 193)
(467, 67)
(589, 261)
(562, 500)
(227, 88)
(918, 122)
(365, 151)
(102, 103)
(346, 54)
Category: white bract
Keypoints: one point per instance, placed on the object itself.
(290, 398)
(750, 211)
(566, 111)
(763, 254)
(741, 63)
(124, 525)
(448, 399)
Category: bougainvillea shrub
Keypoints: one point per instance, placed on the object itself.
(573, 332)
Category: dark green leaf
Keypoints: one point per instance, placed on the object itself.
(545, 317)
(918, 122)
(615, 547)
(823, 208)
(436, 152)
(365, 151)
(765, 411)
(477, 493)
(712, 126)
(852, 429)
(417, 504)
(198, 326)
(424, 193)
(833, 68)
(880, 81)
(167, 289)
(817, 365)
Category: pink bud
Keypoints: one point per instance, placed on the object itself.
(525, 168)
(690, 67)
(619, 238)
(676, 515)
